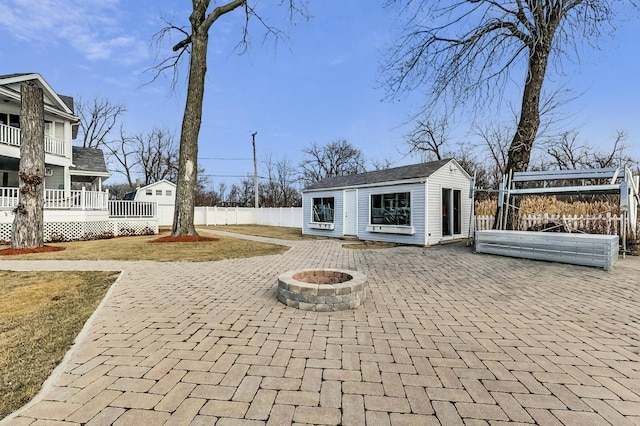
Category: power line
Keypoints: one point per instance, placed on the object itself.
(225, 158)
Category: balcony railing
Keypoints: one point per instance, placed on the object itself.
(60, 199)
(132, 209)
(10, 135)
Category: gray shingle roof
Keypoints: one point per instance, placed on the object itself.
(19, 74)
(89, 159)
(413, 171)
(68, 101)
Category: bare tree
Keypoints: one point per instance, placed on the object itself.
(467, 50)
(195, 43)
(156, 154)
(97, 118)
(28, 223)
(336, 158)
(429, 138)
(568, 152)
(123, 152)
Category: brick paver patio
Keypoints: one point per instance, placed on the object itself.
(446, 337)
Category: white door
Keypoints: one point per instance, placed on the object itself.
(351, 212)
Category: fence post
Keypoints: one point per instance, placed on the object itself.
(83, 199)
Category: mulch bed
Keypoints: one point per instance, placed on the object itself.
(44, 249)
(184, 239)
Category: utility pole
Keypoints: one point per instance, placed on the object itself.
(255, 169)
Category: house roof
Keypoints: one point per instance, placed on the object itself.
(62, 105)
(396, 174)
(88, 160)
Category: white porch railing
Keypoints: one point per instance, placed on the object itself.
(8, 197)
(60, 199)
(132, 209)
(10, 135)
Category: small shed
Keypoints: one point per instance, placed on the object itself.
(161, 192)
(420, 204)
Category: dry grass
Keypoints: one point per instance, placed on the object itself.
(263, 231)
(140, 248)
(537, 205)
(41, 313)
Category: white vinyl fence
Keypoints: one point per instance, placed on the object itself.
(289, 217)
(599, 224)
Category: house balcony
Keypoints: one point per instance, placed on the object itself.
(10, 135)
(57, 199)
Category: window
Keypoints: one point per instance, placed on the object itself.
(322, 210)
(391, 209)
(168, 193)
(159, 192)
(148, 192)
(451, 212)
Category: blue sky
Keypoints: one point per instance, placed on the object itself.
(320, 85)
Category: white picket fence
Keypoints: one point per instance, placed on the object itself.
(599, 224)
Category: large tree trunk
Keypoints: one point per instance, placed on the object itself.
(28, 224)
(527, 130)
(188, 166)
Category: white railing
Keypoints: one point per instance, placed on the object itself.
(60, 199)
(76, 199)
(10, 135)
(609, 224)
(8, 197)
(132, 209)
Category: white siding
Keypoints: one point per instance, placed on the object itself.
(453, 179)
(338, 213)
(417, 191)
(164, 199)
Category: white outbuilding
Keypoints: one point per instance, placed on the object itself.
(420, 204)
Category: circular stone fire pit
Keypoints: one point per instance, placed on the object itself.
(322, 290)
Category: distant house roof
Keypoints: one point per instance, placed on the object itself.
(88, 160)
(413, 171)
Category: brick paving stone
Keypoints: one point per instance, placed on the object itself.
(308, 398)
(51, 410)
(126, 384)
(480, 411)
(447, 414)
(579, 418)
(418, 400)
(413, 419)
(144, 401)
(261, 405)
(317, 415)
(353, 413)
(378, 418)
(281, 415)
(172, 400)
(386, 403)
(137, 417)
(331, 394)
(186, 412)
(106, 417)
(93, 407)
(234, 409)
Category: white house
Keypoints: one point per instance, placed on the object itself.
(419, 204)
(66, 167)
(75, 206)
(163, 193)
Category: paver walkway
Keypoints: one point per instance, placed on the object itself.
(446, 337)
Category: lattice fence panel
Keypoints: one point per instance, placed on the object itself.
(72, 231)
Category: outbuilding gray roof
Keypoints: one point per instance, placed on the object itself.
(413, 171)
(88, 159)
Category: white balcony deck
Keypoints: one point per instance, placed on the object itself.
(11, 136)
